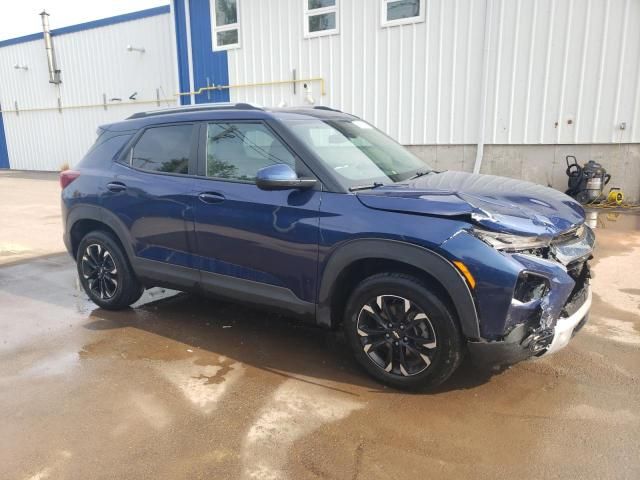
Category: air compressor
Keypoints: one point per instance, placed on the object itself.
(586, 182)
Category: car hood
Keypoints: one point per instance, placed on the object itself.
(495, 203)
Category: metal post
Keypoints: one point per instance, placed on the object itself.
(294, 81)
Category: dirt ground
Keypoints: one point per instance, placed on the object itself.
(185, 387)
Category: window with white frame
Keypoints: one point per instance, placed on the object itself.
(399, 12)
(226, 24)
(320, 17)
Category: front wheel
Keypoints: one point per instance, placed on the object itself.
(105, 273)
(401, 333)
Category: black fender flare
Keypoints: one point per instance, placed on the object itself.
(426, 260)
(99, 214)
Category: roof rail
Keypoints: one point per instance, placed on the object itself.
(322, 107)
(197, 108)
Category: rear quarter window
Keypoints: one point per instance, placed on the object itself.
(106, 148)
(164, 149)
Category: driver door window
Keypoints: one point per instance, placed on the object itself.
(236, 151)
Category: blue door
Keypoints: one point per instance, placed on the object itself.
(152, 197)
(252, 244)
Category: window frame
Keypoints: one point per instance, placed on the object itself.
(203, 150)
(320, 11)
(126, 158)
(215, 29)
(401, 21)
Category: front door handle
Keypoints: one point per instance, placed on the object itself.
(116, 187)
(211, 197)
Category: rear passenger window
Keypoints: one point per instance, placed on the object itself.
(164, 149)
(236, 151)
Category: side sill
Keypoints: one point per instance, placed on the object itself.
(160, 274)
(258, 294)
(261, 295)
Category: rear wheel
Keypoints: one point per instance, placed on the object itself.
(105, 273)
(401, 333)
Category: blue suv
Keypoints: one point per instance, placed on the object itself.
(317, 214)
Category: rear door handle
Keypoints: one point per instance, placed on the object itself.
(116, 187)
(211, 197)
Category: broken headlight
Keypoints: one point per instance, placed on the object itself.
(510, 242)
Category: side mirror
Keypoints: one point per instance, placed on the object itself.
(281, 177)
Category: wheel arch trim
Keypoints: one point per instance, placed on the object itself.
(101, 215)
(424, 259)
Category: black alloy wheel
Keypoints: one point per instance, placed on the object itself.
(403, 331)
(100, 271)
(396, 335)
(105, 273)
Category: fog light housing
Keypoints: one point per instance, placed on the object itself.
(530, 287)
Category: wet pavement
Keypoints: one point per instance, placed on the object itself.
(186, 387)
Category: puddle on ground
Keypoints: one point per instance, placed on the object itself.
(618, 220)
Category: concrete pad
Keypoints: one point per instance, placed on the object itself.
(186, 387)
(30, 213)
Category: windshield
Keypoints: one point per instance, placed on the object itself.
(357, 152)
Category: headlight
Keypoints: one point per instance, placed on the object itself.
(510, 242)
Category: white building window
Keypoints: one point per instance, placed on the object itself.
(225, 20)
(320, 17)
(400, 12)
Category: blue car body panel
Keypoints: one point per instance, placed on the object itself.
(286, 239)
(157, 210)
(499, 203)
(268, 237)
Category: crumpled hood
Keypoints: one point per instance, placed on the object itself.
(496, 203)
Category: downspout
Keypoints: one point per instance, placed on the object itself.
(4, 151)
(187, 17)
(483, 86)
(174, 47)
(54, 73)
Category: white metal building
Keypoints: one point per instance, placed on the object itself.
(47, 125)
(506, 86)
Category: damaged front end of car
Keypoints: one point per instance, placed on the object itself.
(549, 300)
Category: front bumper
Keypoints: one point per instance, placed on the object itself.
(513, 348)
(529, 302)
(566, 327)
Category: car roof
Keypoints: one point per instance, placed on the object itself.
(223, 111)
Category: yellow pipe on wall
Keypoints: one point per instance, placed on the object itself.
(90, 105)
(170, 100)
(257, 84)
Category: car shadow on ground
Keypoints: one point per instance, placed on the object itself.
(264, 340)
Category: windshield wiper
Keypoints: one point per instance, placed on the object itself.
(366, 187)
(420, 174)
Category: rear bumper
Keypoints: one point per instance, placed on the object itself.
(514, 348)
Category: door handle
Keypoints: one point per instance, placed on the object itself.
(116, 187)
(211, 197)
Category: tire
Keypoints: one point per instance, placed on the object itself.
(422, 344)
(105, 273)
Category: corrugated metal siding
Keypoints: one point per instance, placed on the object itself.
(93, 62)
(549, 61)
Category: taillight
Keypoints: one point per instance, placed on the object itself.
(68, 176)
